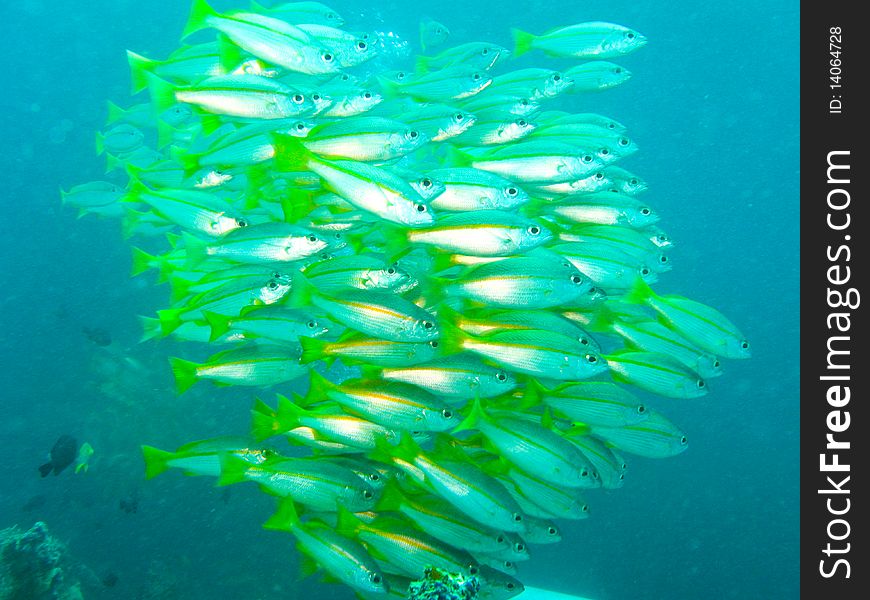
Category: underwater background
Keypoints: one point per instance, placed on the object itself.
(713, 106)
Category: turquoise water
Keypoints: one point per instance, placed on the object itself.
(713, 105)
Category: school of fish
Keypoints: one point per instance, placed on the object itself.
(479, 262)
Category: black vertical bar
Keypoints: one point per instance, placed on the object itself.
(834, 265)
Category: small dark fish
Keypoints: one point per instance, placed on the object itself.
(109, 579)
(35, 502)
(62, 454)
(97, 335)
(130, 503)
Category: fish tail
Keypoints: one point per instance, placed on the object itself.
(451, 339)
(188, 160)
(45, 469)
(348, 523)
(532, 394)
(184, 371)
(639, 293)
(100, 143)
(301, 292)
(286, 518)
(289, 414)
(116, 113)
(459, 158)
(391, 498)
(229, 55)
(233, 469)
(165, 134)
(200, 11)
(140, 67)
(475, 416)
(162, 93)
(389, 89)
(220, 324)
(170, 320)
(290, 153)
(522, 41)
(421, 65)
(156, 461)
(113, 162)
(142, 261)
(297, 204)
(312, 349)
(264, 421)
(150, 328)
(197, 249)
(320, 385)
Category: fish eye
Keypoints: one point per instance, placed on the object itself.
(604, 152)
(716, 364)
(663, 259)
(367, 95)
(584, 508)
(633, 181)
(617, 70)
(400, 75)
(241, 223)
(315, 97)
(391, 271)
(641, 409)
(534, 230)
(501, 376)
(472, 570)
(584, 472)
(583, 341)
(428, 324)
(599, 176)
(433, 344)
(510, 586)
(413, 134)
(312, 238)
(700, 383)
(447, 413)
(576, 279)
(300, 126)
(375, 578)
(744, 344)
(298, 98)
(552, 531)
(587, 158)
(421, 208)
(630, 35)
(362, 45)
(522, 123)
(330, 16)
(524, 102)
(684, 440)
(375, 476)
(327, 57)
(439, 31)
(624, 142)
(517, 519)
(508, 564)
(458, 116)
(591, 359)
(476, 76)
(645, 211)
(485, 51)
(499, 539)
(311, 324)
(426, 182)
(519, 547)
(557, 77)
(644, 271)
(367, 494)
(272, 285)
(511, 191)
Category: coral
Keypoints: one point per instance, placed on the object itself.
(440, 585)
(35, 566)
